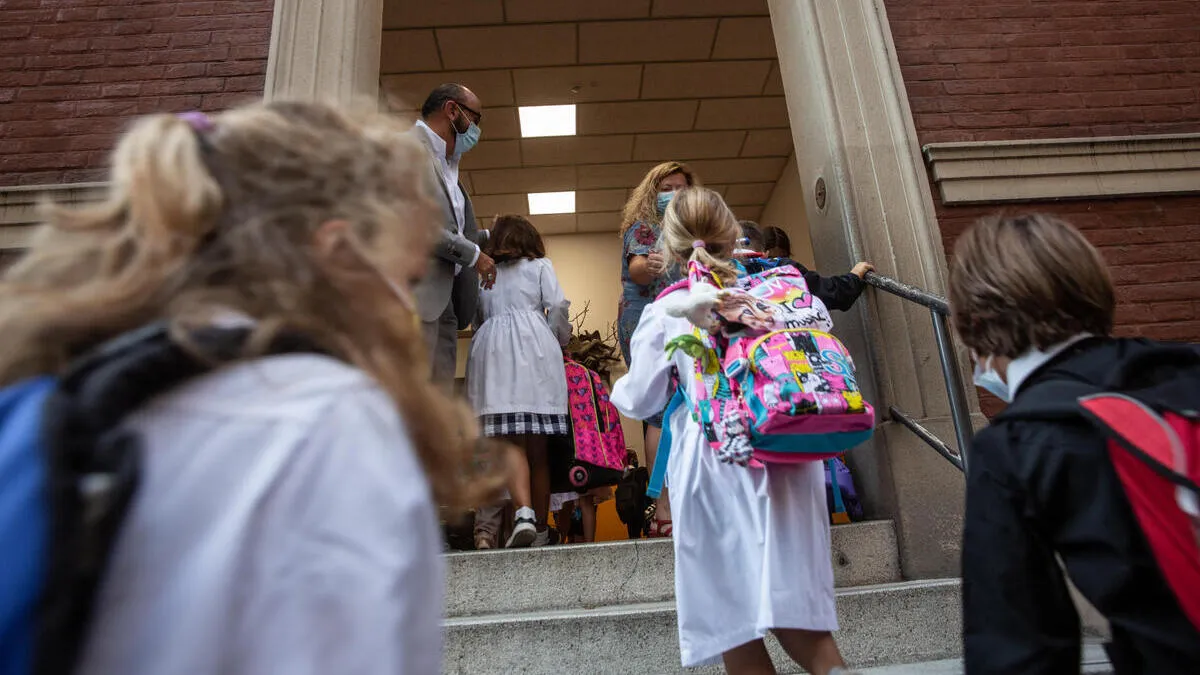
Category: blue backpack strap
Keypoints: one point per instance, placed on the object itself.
(659, 475)
(839, 505)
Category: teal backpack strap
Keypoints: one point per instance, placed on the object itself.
(659, 475)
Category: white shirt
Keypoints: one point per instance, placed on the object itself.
(448, 167)
(283, 525)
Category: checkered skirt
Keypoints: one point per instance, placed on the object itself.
(521, 424)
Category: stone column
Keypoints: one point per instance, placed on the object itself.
(867, 197)
(325, 50)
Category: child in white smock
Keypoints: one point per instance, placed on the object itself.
(516, 381)
(751, 544)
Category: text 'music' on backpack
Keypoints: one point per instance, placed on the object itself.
(1149, 414)
(773, 385)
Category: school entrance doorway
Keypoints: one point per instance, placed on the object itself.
(795, 111)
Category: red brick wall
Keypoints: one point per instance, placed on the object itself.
(1020, 69)
(1049, 68)
(73, 72)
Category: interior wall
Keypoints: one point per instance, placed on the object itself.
(785, 209)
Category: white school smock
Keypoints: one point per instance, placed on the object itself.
(283, 525)
(751, 545)
(516, 364)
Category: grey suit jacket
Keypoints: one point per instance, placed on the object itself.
(440, 285)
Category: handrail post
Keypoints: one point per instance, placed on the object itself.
(955, 392)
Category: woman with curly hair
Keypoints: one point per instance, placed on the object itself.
(644, 274)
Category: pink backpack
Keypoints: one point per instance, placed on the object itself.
(773, 384)
(599, 441)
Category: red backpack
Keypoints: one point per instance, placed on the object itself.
(1149, 411)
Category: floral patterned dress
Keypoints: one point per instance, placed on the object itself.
(640, 239)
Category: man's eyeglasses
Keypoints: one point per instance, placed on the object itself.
(475, 115)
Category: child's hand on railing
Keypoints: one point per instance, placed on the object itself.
(860, 270)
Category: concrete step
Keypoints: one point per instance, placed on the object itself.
(885, 624)
(642, 571)
(1094, 662)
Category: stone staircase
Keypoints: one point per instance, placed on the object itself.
(609, 608)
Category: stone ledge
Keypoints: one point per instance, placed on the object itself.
(19, 207)
(1068, 168)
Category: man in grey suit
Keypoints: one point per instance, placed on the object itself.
(449, 293)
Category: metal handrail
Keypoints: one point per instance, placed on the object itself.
(939, 310)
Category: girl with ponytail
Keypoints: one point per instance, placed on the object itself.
(751, 544)
(285, 516)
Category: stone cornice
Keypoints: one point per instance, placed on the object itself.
(1068, 168)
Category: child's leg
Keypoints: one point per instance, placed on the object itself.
(815, 651)
(662, 511)
(524, 519)
(539, 477)
(749, 659)
(562, 521)
(587, 507)
(518, 471)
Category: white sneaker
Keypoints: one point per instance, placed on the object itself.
(524, 528)
(542, 538)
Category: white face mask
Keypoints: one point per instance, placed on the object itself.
(988, 379)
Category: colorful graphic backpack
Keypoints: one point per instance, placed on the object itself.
(1149, 413)
(597, 457)
(774, 386)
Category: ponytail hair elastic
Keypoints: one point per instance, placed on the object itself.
(699, 243)
(200, 122)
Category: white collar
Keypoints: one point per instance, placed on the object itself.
(436, 143)
(1020, 368)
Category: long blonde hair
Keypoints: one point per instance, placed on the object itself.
(225, 217)
(642, 205)
(699, 226)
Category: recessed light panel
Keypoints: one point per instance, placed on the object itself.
(547, 120)
(542, 203)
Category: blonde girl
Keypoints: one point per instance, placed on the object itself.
(644, 274)
(751, 544)
(285, 517)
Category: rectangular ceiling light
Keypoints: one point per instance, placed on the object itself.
(542, 203)
(547, 120)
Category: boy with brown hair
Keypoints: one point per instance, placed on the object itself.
(1034, 302)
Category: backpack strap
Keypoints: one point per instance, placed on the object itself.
(95, 464)
(682, 284)
(659, 475)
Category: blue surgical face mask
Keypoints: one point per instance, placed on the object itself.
(664, 198)
(988, 379)
(465, 140)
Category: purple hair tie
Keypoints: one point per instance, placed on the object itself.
(200, 122)
(699, 243)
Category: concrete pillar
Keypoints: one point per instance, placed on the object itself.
(867, 197)
(325, 50)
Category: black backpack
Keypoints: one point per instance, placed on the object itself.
(88, 467)
(631, 497)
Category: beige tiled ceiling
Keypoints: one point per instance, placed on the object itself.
(654, 80)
